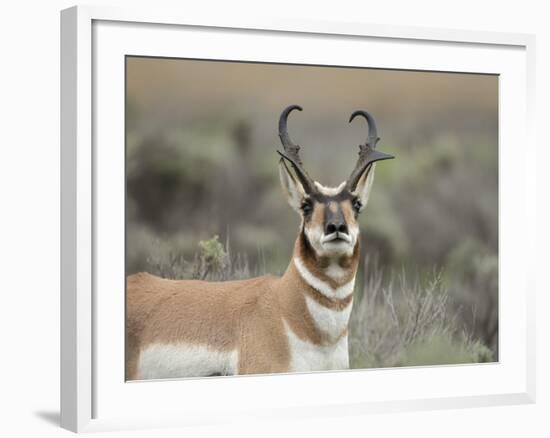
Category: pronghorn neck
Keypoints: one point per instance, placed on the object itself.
(327, 276)
(316, 304)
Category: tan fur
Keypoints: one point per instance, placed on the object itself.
(245, 315)
(347, 210)
(223, 315)
(318, 216)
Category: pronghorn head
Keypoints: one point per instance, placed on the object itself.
(329, 214)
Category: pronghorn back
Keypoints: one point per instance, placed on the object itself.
(186, 317)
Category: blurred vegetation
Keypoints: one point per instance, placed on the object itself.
(203, 197)
(404, 321)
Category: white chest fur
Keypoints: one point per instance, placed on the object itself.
(333, 355)
(305, 356)
(331, 322)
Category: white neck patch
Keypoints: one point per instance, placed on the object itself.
(321, 286)
(329, 191)
(335, 271)
(332, 322)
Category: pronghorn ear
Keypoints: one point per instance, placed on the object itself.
(364, 185)
(293, 189)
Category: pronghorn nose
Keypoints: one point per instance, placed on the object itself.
(333, 227)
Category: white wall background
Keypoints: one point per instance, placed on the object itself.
(29, 202)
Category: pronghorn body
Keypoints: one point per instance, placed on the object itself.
(298, 322)
(262, 325)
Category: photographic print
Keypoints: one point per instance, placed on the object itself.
(296, 218)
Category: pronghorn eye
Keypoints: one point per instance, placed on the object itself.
(357, 205)
(306, 207)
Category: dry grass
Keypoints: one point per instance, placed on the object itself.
(405, 322)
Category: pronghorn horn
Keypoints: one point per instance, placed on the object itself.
(367, 152)
(291, 153)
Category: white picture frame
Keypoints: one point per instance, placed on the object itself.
(94, 41)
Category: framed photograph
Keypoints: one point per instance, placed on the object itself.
(252, 209)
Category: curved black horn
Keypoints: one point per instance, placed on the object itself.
(367, 152)
(291, 153)
(372, 138)
(283, 132)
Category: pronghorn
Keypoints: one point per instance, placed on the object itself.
(298, 322)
